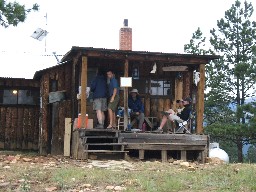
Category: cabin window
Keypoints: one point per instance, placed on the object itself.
(22, 97)
(53, 85)
(160, 87)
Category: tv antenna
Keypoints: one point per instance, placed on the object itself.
(40, 34)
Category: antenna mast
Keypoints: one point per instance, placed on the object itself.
(45, 32)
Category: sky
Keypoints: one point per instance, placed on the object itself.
(162, 26)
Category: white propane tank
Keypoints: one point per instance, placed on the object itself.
(215, 151)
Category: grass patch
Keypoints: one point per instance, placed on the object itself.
(144, 177)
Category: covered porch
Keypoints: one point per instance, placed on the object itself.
(160, 78)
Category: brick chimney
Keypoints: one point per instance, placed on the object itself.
(125, 37)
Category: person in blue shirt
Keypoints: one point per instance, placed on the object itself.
(113, 96)
(136, 105)
(99, 89)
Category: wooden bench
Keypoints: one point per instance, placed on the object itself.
(148, 120)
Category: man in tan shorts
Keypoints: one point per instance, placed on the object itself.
(113, 91)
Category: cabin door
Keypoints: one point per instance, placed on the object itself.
(55, 146)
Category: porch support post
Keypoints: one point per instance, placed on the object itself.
(200, 100)
(178, 90)
(126, 69)
(83, 90)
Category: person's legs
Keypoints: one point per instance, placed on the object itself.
(110, 113)
(164, 120)
(103, 117)
(141, 117)
(170, 111)
(173, 117)
(99, 117)
(97, 106)
(114, 119)
(104, 108)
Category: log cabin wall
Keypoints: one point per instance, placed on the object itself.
(19, 114)
(58, 78)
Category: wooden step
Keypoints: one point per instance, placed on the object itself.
(104, 151)
(99, 137)
(109, 144)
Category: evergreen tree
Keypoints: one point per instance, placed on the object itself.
(231, 79)
(251, 154)
(14, 13)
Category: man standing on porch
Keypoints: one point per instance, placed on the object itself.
(99, 89)
(113, 91)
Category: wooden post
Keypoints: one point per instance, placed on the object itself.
(74, 86)
(183, 155)
(126, 69)
(164, 156)
(187, 82)
(141, 154)
(83, 90)
(178, 90)
(200, 100)
(67, 137)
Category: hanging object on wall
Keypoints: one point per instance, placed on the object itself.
(196, 77)
(154, 68)
(135, 72)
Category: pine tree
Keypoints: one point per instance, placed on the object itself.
(235, 40)
(14, 13)
(231, 79)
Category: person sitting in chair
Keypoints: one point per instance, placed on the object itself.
(178, 117)
(179, 105)
(135, 104)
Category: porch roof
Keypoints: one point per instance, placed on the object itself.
(142, 56)
(139, 55)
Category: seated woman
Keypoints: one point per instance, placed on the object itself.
(179, 117)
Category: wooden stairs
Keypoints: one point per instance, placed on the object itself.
(100, 142)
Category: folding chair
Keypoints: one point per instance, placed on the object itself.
(184, 125)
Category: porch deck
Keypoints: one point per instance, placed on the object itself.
(177, 146)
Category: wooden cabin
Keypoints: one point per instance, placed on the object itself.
(161, 79)
(19, 114)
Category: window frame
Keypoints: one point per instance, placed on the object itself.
(33, 91)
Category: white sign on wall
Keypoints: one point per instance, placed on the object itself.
(126, 82)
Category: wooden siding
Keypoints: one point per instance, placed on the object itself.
(53, 121)
(19, 124)
(19, 128)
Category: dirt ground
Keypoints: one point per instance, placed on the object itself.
(30, 172)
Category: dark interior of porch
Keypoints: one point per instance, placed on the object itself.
(158, 91)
